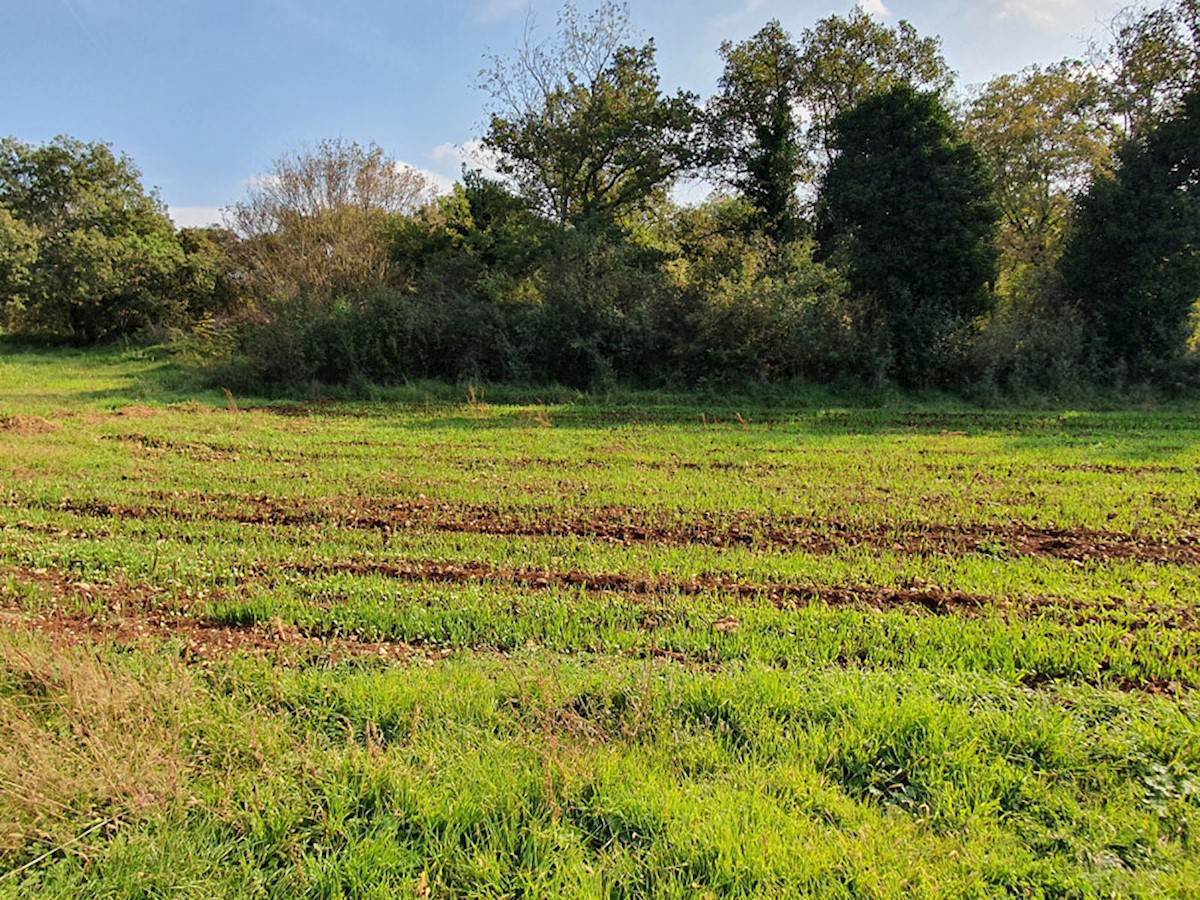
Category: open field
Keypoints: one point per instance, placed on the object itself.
(481, 649)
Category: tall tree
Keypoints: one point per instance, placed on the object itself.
(753, 130)
(1150, 62)
(580, 123)
(317, 223)
(18, 256)
(906, 209)
(1132, 264)
(843, 60)
(1044, 135)
(93, 255)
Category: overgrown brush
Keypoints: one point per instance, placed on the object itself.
(85, 744)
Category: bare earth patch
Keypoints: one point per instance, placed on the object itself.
(27, 425)
(625, 525)
(134, 615)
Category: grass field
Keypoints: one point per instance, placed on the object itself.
(469, 646)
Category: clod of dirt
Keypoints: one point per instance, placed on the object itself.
(26, 425)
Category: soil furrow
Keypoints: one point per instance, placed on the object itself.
(132, 618)
(633, 526)
(924, 599)
(139, 614)
(781, 594)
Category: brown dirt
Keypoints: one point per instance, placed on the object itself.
(932, 600)
(917, 598)
(140, 615)
(137, 411)
(197, 450)
(633, 526)
(26, 425)
(137, 615)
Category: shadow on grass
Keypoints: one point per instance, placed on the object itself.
(115, 376)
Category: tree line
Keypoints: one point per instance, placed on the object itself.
(873, 222)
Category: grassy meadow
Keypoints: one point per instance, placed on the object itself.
(458, 642)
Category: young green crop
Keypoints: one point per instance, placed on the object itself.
(500, 643)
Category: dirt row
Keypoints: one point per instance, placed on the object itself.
(782, 594)
(135, 615)
(926, 599)
(139, 615)
(631, 526)
(171, 607)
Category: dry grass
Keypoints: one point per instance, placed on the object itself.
(82, 742)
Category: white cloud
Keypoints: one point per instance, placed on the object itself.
(473, 154)
(438, 183)
(488, 12)
(875, 8)
(195, 216)
(1042, 14)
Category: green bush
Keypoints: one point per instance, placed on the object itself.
(85, 251)
(1027, 349)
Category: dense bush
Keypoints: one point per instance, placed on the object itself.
(1029, 349)
(758, 310)
(1131, 263)
(488, 290)
(906, 210)
(85, 251)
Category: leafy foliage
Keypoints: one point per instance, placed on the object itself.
(754, 134)
(1150, 63)
(85, 251)
(757, 310)
(208, 280)
(906, 208)
(1132, 264)
(1044, 136)
(844, 60)
(317, 224)
(582, 126)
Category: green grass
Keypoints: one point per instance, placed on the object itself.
(539, 644)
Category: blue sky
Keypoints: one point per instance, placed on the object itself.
(203, 94)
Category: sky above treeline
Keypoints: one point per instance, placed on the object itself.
(204, 94)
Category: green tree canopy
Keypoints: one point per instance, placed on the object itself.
(1044, 136)
(906, 208)
(1150, 62)
(18, 256)
(844, 60)
(94, 254)
(1132, 264)
(753, 129)
(582, 126)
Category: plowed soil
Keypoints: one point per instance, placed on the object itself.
(132, 615)
(922, 600)
(633, 526)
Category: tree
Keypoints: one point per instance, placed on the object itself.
(207, 280)
(753, 132)
(88, 251)
(1151, 62)
(845, 60)
(480, 241)
(317, 224)
(1132, 264)
(18, 256)
(1043, 135)
(906, 210)
(581, 125)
